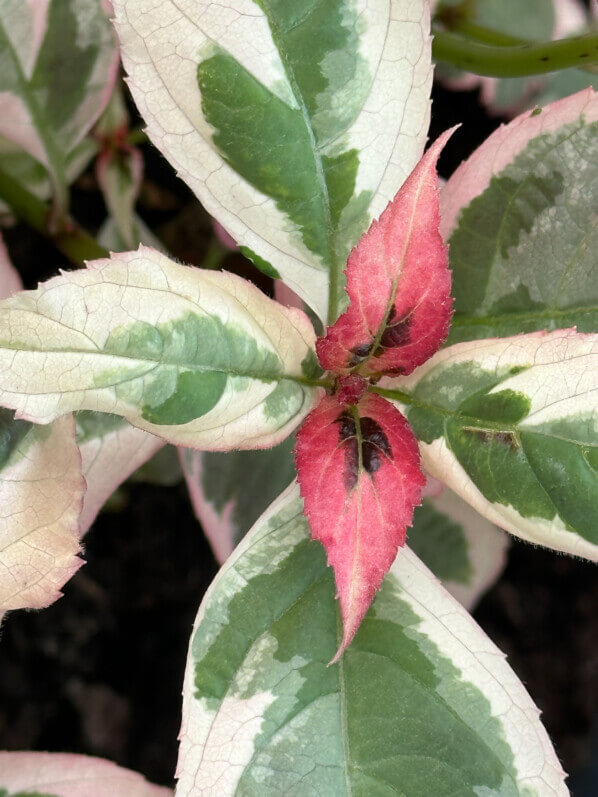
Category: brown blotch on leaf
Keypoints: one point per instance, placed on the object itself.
(374, 443)
(506, 438)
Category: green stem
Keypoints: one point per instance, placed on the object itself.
(485, 35)
(396, 395)
(69, 238)
(517, 60)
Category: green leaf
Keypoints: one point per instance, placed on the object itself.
(521, 223)
(460, 547)
(199, 358)
(59, 65)
(229, 491)
(294, 123)
(511, 425)
(420, 703)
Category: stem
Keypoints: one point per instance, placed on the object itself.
(397, 395)
(519, 60)
(69, 238)
(485, 35)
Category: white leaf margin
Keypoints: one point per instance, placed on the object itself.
(473, 176)
(443, 620)
(544, 352)
(41, 495)
(160, 51)
(82, 308)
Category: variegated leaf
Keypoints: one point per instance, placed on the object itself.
(522, 234)
(67, 775)
(41, 490)
(33, 176)
(294, 123)
(421, 703)
(119, 170)
(200, 358)
(229, 491)
(111, 450)
(119, 174)
(398, 283)
(463, 549)
(41, 494)
(59, 65)
(511, 425)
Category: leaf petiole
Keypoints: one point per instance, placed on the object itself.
(520, 60)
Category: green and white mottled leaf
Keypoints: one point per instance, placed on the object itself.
(41, 494)
(110, 237)
(58, 65)
(119, 173)
(41, 491)
(33, 176)
(229, 491)
(119, 170)
(25, 774)
(511, 425)
(111, 450)
(520, 218)
(421, 703)
(199, 358)
(461, 548)
(294, 123)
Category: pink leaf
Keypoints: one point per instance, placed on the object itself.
(358, 469)
(398, 283)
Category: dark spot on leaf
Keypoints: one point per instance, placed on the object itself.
(374, 444)
(396, 332)
(347, 425)
(360, 353)
(506, 438)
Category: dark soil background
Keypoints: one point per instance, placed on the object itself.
(100, 672)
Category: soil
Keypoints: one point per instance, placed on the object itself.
(100, 672)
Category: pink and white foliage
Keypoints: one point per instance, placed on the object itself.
(41, 494)
(498, 150)
(360, 480)
(107, 461)
(41, 490)
(398, 284)
(357, 458)
(69, 775)
(24, 117)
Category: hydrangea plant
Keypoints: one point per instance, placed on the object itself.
(433, 339)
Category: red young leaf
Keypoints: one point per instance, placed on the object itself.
(358, 469)
(398, 283)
